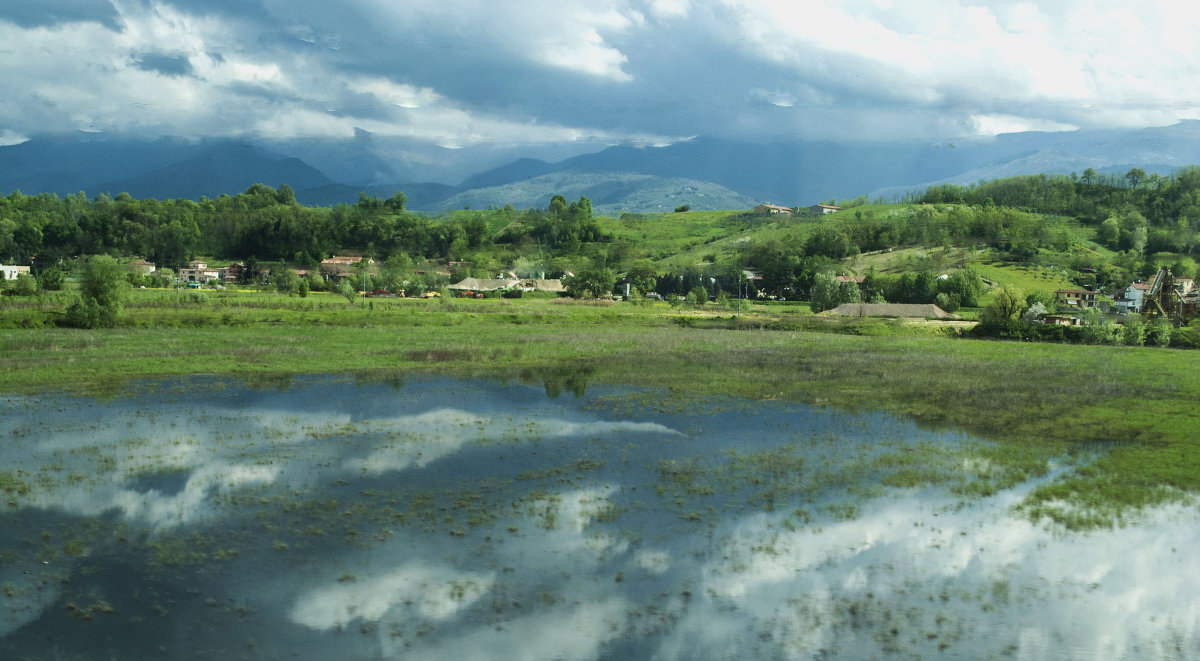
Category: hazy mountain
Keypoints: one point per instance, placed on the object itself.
(222, 168)
(704, 172)
(804, 172)
(610, 193)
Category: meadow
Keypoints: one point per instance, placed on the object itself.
(1123, 416)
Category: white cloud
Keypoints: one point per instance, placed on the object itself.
(997, 124)
(461, 72)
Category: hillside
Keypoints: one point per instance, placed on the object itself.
(610, 192)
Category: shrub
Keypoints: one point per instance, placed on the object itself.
(52, 279)
(101, 294)
(24, 285)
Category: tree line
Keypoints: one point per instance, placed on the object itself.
(267, 225)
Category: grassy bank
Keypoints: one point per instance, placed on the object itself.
(1134, 408)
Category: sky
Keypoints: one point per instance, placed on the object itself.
(533, 72)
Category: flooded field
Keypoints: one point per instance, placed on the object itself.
(326, 518)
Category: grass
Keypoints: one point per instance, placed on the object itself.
(1037, 397)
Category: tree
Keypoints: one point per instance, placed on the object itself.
(1034, 312)
(828, 292)
(285, 281)
(1109, 232)
(1007, 304)
(965, 283)
(1137, 239)
(1045, 298)
(947, 302)
(52, 278)
(394, 271)
(558, 207)
(1135, 177)
(101, 294)
(592, 282)
(396, 202)
(344, 288)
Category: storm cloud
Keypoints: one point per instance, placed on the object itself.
(461, 73)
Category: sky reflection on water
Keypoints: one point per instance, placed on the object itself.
(445, 519)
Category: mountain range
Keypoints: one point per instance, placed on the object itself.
(704, 173)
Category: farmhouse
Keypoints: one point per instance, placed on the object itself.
(772, 209)
(197, 271)
(11, 272)
(1079, 299)
(142, 266)
(824, 208)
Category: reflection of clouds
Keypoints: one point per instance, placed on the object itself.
(996, 581)
(418, 440)
(31, 596)
(189, 505)
(565, 429)
(417, 591)
(654, 562)
(576, 632)
(192, 503)
(423, 438)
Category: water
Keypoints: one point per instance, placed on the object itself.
(324, 518)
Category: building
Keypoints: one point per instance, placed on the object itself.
(1078, 299)
(232, 273)
(197, 271)
(1131, 298)
(143, 267)
(771, 210)
(824, 208)
(340, 266)
(11, 272)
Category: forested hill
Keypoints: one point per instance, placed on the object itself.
(1118, 227)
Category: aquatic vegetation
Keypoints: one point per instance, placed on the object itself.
(437, 516)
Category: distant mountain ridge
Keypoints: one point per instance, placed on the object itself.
(705, 173)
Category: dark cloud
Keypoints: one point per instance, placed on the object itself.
(167, 65)
(44, 13)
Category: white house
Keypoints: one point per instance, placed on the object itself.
(11, 272)
(1130, 298)
(772, 209)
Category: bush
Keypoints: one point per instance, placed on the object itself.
(947, 302)
(1158, 333)
(101, 294)
(24, 285)
(1133, 332)
(52, 279)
